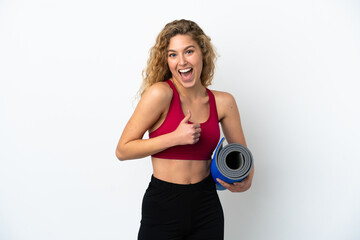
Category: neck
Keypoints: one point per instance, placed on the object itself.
(198, 90)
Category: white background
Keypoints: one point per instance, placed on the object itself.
(70, 69)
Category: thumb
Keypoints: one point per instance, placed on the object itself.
(187, 117)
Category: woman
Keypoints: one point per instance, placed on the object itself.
(182, 117)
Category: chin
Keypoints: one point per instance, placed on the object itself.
(186, 84)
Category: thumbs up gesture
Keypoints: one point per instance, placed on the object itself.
(187, 133)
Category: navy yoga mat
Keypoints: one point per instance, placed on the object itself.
(231, 163)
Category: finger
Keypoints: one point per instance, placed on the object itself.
(239, 184)
(187, 117)
(197, 129)
(224, 184)
(243, 181)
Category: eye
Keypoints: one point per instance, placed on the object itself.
(189, 51)
(172, 55)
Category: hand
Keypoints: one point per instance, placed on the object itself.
(236, 186)
(187, 133)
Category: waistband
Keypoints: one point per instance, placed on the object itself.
(205, 184)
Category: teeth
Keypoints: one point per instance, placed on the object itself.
(185, 70)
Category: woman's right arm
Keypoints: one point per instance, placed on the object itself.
(152, 105)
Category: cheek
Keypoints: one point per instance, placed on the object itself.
(200, 63)
(199, 59)
(170, 65)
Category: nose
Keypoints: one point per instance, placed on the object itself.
(182, 60)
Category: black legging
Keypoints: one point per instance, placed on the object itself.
(175, 211)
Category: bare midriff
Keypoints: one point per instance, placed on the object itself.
(180, 171)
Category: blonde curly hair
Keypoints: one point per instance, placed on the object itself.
(157, 69)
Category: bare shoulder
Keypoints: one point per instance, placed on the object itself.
(225, 103)
(159, 91)
(153, 104)
(159, 95)
(223, 97)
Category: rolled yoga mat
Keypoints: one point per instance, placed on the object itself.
(231, 163)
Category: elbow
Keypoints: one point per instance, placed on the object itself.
(120, 155)
(121, 151)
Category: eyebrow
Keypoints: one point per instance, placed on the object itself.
(190, 46)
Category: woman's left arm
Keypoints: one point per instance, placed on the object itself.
(229, 118)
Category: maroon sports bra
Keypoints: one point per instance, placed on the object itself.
(209, 136)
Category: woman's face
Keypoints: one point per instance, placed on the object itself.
(185, 60)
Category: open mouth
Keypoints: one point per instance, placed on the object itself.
(186, 73)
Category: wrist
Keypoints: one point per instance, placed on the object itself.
(171, 139)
